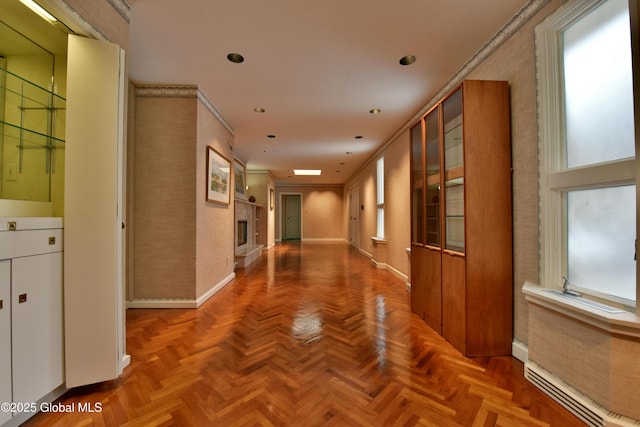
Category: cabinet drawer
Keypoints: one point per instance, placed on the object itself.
(36, 242)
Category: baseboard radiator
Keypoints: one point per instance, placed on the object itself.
(577, 403)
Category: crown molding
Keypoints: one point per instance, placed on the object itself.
(123, 8)
(166, 91)
(177, 91)
(205, 101)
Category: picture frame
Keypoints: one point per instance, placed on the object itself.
(218, 177)
(272, 199)
(240, 179)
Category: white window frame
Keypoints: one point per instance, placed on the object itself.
(555, 179)
(380, 198)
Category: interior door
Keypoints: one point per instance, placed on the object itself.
(292, 217)
(354, 217)
(93, 291)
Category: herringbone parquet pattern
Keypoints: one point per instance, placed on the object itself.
(313, 335)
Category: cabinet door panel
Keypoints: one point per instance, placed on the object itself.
(94, 316)
(5, 336)
(426, 296)
(37, 337)
(418, 281)
(433, 292)
(454, 301)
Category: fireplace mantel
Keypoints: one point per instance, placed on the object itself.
(247, 216)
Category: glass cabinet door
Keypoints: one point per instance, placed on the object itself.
(417, 179)
(454, 172)
(432, 154)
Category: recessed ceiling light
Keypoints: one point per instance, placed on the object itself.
(271, 136)
(407, 60)
(259, 110)
(236, 58)
(314, 172)
(359, 136)
(375, 111)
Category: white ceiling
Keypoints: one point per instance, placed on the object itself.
(317, 67)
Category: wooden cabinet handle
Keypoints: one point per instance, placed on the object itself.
(22, 298)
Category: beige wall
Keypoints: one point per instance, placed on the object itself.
(322, 211)
(165, 183)
(214, 222)
(397, 206)
(183, 246)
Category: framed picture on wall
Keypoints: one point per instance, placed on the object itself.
(240, 179)
(218, 177)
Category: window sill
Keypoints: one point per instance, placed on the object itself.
(625, 323)
(379, 240)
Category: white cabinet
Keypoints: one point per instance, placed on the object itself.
(36, 339)
(31, 318)
(5, 336)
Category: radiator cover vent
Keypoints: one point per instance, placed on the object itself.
(575, 402)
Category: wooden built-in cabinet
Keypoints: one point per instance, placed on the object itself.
(461, 223)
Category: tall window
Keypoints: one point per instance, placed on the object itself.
(587, 146)
(380, 196)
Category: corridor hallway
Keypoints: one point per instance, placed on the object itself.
(312, 335)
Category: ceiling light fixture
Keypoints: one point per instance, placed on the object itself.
(307, 172)
(375, 111)
(271, 136)
(236, 58)
(359, 137)
(407, 60)
(259, 110)
(36, 8)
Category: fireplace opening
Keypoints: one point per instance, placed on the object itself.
(242, 233)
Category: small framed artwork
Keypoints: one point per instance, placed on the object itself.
(240, 178)
(218, 177)
(272, 199)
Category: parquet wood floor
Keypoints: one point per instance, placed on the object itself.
(312, 335)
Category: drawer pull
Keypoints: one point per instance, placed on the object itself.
(52, 240)
(12, 226)
(22, 298)
(0, 304)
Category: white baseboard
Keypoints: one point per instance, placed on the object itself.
(392, 269)
(323, 240)
(181, 303)
(125, 361)
(214, 289)
(520, 351)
